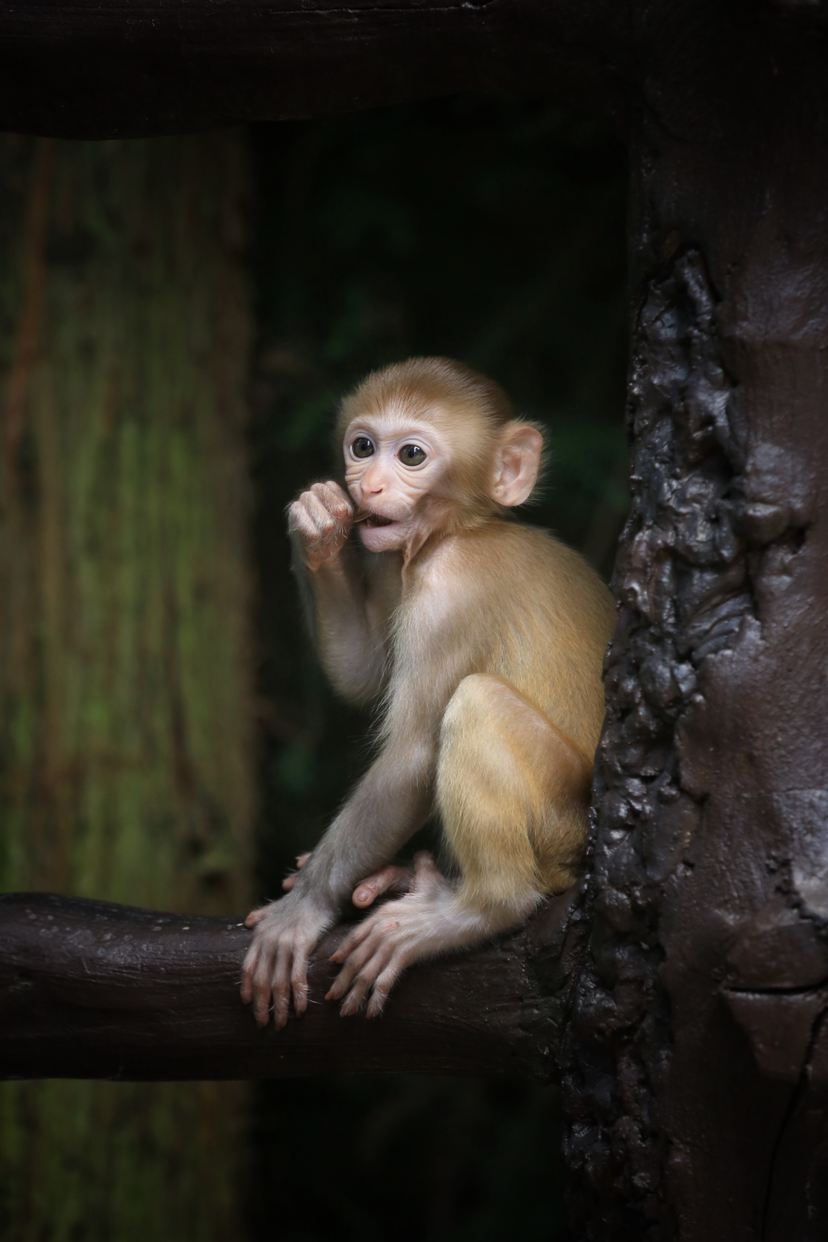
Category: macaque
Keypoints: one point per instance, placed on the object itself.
(482, 639)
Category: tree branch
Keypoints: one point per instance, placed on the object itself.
(92, 990)
(99, 69)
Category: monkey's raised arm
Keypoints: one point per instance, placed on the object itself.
(347, 633)
(345, 618)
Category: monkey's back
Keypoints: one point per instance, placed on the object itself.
(533, 611)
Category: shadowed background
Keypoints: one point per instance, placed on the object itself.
(491, 231)
(162, 720)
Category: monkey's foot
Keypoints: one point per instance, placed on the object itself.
(428, 920)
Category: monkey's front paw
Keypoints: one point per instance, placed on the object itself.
(276, 966)
(321, 520)
(378, 950)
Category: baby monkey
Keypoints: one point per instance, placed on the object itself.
(484, 639)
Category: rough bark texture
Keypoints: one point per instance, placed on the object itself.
(100, 991)
(125, 763)
(697, 1086)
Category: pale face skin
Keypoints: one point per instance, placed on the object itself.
(393, 469)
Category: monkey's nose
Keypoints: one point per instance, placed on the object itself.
(373, 483)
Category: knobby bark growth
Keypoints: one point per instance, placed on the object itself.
(695, 1051)
(695, 1084)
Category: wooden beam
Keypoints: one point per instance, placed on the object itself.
(93, 990)
(103, 70)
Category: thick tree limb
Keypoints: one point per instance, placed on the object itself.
(704, 1002)
(92, 990)
(99, 70)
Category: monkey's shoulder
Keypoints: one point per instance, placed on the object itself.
(509, 551)
(505, 567)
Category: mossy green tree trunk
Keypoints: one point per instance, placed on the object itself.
(125, 757)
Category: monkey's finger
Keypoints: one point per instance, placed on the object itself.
(335, 500)
(328, 488)
(299, 979)
(300, 518)
(365, 959)
(255, 916)
(247, 972)
(390, 879)
(354, 962)
(365, 980)
(312, 522)
(331, 531)
(280, 987)
(353, 939)
(320, 535)
(383, 984)
(261, 985)
(324, 522)
(335, 505)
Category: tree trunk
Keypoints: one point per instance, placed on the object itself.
(124, 599)
(697, 1081)
(192, 64)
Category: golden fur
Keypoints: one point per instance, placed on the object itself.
(519, 623)
(484, 640)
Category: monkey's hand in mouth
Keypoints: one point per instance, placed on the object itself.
(321, 520)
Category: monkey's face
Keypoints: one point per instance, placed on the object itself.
(394, 466)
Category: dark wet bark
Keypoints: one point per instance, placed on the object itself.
(91, 990)
(696, 1086)
(98, 70)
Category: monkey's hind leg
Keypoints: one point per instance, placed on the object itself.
(513, 791)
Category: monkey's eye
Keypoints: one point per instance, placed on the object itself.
(362, 447)
(411, 455)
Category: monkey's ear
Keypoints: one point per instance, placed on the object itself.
(517, 462)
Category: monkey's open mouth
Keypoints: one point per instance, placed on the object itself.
(374, 519)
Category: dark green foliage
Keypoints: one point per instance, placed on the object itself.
(491, 231)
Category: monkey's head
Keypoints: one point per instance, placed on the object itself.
(432, 447)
